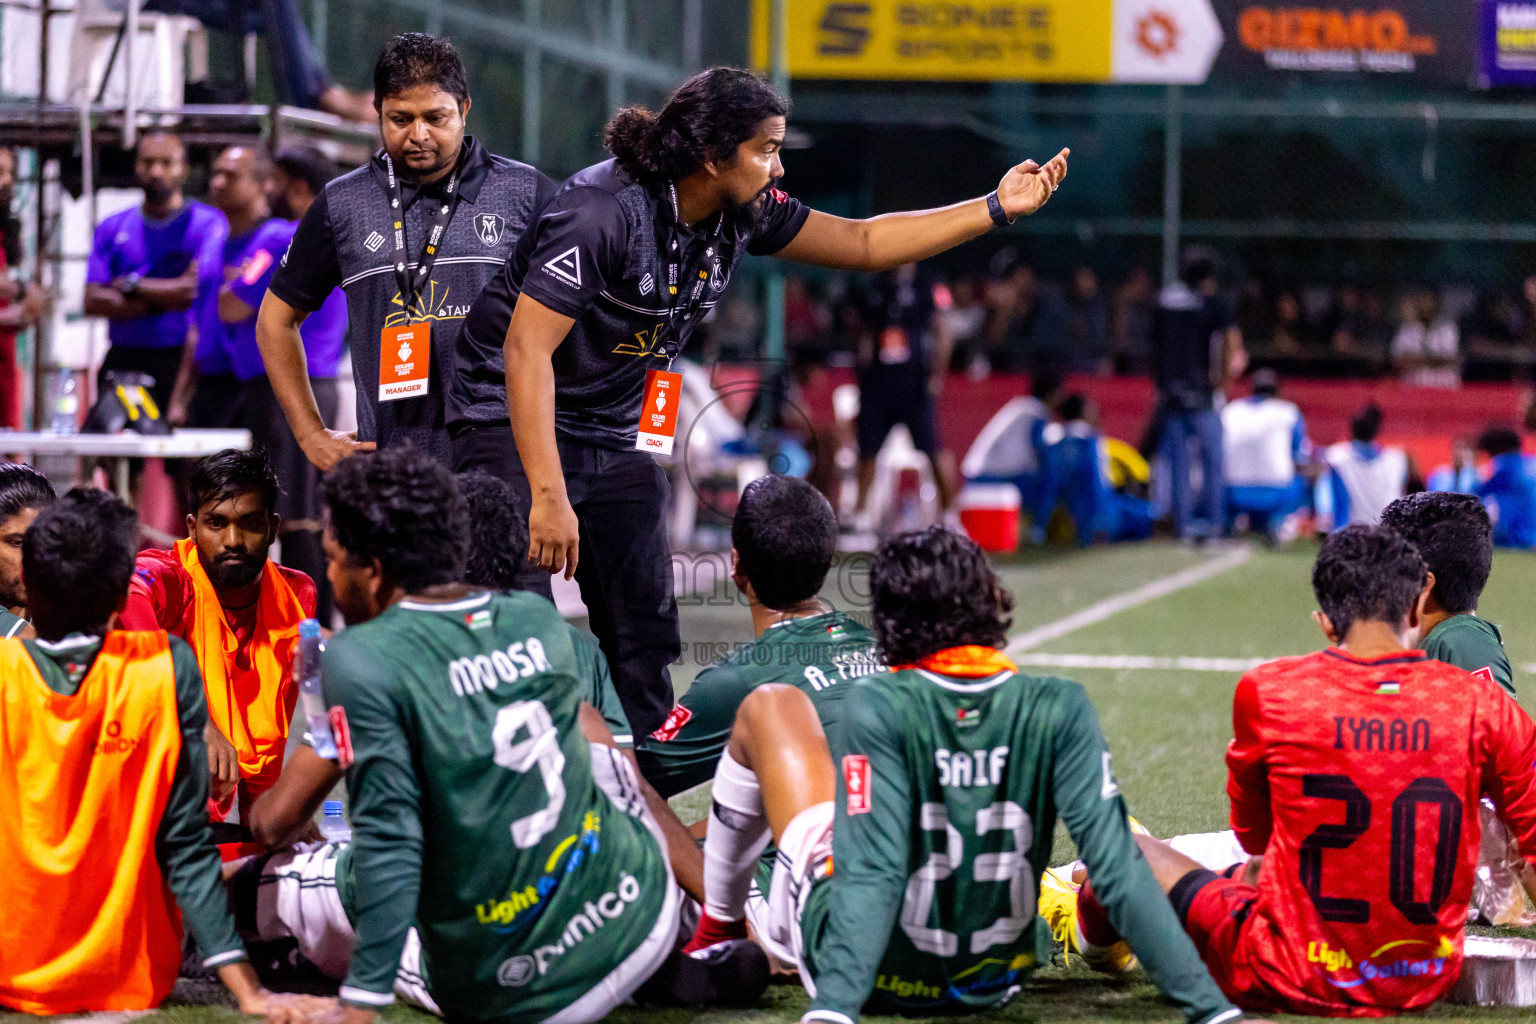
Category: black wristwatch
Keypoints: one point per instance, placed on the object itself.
(995, 208)
(130, 285)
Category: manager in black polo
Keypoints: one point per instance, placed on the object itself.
(609, 283)
(411, 237)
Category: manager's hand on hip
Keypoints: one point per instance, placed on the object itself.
(553, 535)
(1027, 187)
(326, 447)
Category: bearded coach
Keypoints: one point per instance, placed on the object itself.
(563, 384)
(411, 238)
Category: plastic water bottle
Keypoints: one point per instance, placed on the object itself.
(306, 672)
(333, 826)
(64, 400)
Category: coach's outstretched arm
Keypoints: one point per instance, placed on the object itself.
(894, 239)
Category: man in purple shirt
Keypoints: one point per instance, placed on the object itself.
(298, 175)
(147, 267)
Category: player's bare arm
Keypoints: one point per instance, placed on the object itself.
(532, 337)
(282, 350)
(894, 239)
(285, 814)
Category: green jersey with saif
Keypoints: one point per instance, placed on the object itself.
(817, 653)
(476, 815)
(947, 802)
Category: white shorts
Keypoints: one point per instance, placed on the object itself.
(804, 853)
(297, 897)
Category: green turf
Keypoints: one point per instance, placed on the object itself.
(1167, 729)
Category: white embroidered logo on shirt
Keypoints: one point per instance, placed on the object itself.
(566, 266)
(647, 282)
(373, 241)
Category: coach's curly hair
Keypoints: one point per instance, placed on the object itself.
(705, 119)
(403, 508)
(934, 590)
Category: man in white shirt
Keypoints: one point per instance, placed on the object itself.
(1265, 442)
(1362, 477)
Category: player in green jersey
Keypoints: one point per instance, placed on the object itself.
(1455, 538)
(531, 865)
(783, 537)
(23, 493)
(950, 773)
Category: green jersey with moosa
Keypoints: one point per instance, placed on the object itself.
(947, 802)
(476, 814)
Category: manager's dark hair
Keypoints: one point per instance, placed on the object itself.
(230, 473)
(1367, 574)
(1498, 439)
(415, 58)
(934, 590)
(21, 488)
(1366, 424)
(1455, 538)
(705, 119)
(498, 533)
(784, 533)
(403, 508)
(306, 164)
(76, 561)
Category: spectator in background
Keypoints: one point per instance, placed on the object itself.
(1426, 350)
(148, 266)
(1014, 299)
(208, 390)
(1344, 327)
(1264, 441)
(963, 316)
(1011, 447)
(1087, 326)
(903, 355)
(1510, 490)
(1131, 335)
(1461, 475)
(1361, 476)
(299, 174)
(807, 321)
(1527, 336)
(1194, 340)
(1288, 335)
(21, 302)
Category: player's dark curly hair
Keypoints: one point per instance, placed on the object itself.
(934, 590)
(498, 533)
(1455, 538)
(306, 164)
(705, 119)
(1367, 574)
(403, 508)
(784, 533)
(1498, 439)
(22, 487)
(76, 562)
(229, 474)
(415, 58)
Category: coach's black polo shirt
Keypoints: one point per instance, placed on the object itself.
(595, 254)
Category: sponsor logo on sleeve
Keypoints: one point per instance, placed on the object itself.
(679, 717)
(566, 267)
(857, 779)
(1486, 672)
(341, 732)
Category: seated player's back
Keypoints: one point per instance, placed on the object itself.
(1359, 780)
(970, 814)
(528, 872)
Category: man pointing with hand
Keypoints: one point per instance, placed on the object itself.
(563, 381)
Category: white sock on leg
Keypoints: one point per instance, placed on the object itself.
(738, 834)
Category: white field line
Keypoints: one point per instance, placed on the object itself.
(1143, 594)
(1131, 661)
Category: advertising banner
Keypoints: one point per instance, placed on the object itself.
(1507, 43)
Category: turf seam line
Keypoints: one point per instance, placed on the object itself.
(1110, 606)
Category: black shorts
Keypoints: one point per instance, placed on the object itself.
(888, 399)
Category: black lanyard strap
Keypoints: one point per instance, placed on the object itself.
(682, 312)
(411, 284)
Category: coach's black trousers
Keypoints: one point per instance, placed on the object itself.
(625, 564)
